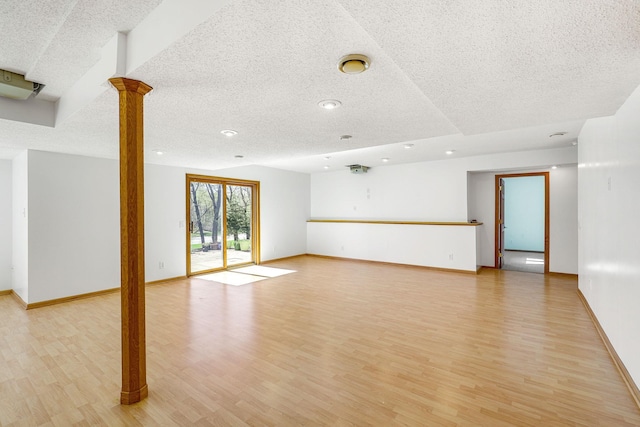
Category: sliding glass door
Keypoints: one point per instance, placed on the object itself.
(239, 214)
(222, 218)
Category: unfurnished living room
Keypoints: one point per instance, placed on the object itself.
(306, 213)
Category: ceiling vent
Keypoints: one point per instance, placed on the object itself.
(358, 168)
(15, 86)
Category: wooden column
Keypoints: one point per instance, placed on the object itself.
(134, 369)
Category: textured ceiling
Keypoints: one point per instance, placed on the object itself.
(479, 77)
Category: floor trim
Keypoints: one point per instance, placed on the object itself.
(450, 270)
(281, 259)
(169, 280)
(19, 300)
(626, 377)
(55, 301)
(46, 303)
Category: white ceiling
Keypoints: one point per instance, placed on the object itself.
(478, 77)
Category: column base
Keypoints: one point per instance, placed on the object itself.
(130, 397)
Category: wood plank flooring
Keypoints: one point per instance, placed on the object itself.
(338, 343)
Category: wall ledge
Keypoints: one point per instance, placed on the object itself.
(373, 221)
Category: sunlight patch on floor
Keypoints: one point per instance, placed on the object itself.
(231, 278)
(259, 270)
(245, 275)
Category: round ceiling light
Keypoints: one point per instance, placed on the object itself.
(353, 64)
(228, 132)
(329, 104)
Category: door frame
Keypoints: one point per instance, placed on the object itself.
(497, 247)
(255, 218)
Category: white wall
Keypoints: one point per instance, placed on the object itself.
(609, 202)
(432, 191)
(284, 210)
(440, 246)
(20, 229)
(563, 220)
(6, 243)
(74, 225)
(416, 191)
(73, 228)
(563, 214)
(164, 222)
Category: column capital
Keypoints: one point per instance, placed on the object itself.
(123, 84)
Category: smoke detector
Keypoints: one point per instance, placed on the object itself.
(353, 64)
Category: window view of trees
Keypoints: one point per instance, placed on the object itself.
(206, 214)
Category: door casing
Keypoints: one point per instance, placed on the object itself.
(255, 217)
(499, 216)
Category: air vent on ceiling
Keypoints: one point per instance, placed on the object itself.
(15, 86)
(358, 168)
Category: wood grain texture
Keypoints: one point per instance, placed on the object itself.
(371, 221)
(131, 96)
(337, 343)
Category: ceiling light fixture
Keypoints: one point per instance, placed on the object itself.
(557, 134)
(554, 167)
(326, 167)
(345, 137)
(408, 146)
(228, 132)
(239, 156)
(158, 152)
(385, 159)
(450, 152)
(329, 104)
(353, 64)
(574, 143)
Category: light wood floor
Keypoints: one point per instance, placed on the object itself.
(337, 343)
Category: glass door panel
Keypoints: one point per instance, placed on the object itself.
(206, 227)
(239, 214)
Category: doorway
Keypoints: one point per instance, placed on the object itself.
(223, 230)
(522, 222)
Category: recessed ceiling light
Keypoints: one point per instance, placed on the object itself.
(408, 146)
(158, 152)
(329, 104)
(353, 64)
(574, 143)
(557, 134)
(228, 132)
(326, 167)
(345, 137)
(450, 152)
(554, 167)
(385, 159)
(239, 156)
